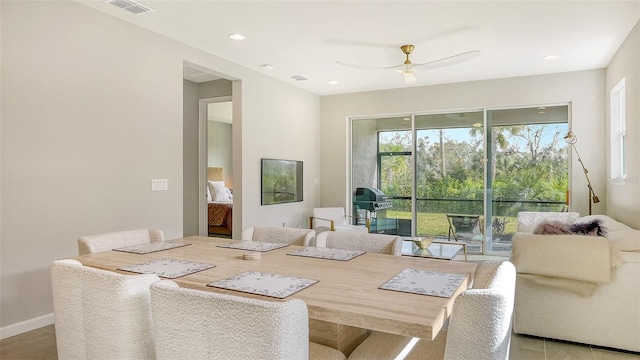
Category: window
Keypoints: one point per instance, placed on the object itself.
(617, 151)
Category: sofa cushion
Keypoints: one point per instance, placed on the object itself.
(611, 224)
(625, 240)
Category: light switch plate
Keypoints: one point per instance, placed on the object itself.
(159, 184)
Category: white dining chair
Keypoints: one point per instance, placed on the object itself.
(479, 327)
(372, 243)
(101, 314)
(334, 219)
(194, 324)
(107, 241)
(284, 235)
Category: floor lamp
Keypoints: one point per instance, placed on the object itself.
(571, 139)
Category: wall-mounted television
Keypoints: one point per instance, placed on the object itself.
(281, 181)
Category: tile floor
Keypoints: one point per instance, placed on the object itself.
(40, 344)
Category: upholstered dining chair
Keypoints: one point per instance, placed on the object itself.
(195, 324)
(107, 241)
(285, 235)
(334, 219)
(101, 314)
(348, 240)
(479, 327)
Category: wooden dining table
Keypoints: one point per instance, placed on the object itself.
(342, 305)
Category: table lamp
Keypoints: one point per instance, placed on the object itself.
(571, 139)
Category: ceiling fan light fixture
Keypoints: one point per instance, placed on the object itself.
(407, 68)
(409, 77)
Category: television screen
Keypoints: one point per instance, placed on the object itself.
(281, 181)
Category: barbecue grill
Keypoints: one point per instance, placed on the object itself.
(371, 199)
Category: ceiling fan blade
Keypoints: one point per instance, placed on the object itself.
(366, 67)
(451, 60)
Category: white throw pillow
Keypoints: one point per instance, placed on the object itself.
(208, 194)
(219, 192)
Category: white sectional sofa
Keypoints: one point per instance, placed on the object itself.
(578, 288)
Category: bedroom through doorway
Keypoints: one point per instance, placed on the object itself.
(219, 165)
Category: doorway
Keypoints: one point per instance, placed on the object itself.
(216, 172)
(199, 84)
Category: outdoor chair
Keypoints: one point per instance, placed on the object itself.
(334, 219)
(464, 226)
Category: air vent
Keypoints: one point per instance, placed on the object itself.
(299, 77)
(130, 6)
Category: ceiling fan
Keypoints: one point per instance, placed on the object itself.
(407, 68)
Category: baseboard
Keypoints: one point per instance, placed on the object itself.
(25, 326)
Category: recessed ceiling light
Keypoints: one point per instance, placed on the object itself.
(552, 57)
(299, 77)
(333, 82)
(266, 66)
(236, 36)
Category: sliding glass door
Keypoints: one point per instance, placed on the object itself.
(462, 175)
(528, 167)
(450, 176)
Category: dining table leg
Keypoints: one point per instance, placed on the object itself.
(338, 336)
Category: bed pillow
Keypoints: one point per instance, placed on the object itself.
(219, 192)
(209, 199)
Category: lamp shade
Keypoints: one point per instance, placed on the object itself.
(570, 138)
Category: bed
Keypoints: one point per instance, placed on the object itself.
(219, 203)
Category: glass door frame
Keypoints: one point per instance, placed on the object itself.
(487, 127)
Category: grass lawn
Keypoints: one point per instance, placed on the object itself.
(437, 224)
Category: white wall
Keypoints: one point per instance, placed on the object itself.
(582, 89)
(91, 111)
(288, 131)
(190, 164)
(624, 199)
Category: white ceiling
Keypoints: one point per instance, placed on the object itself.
(308, 37)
